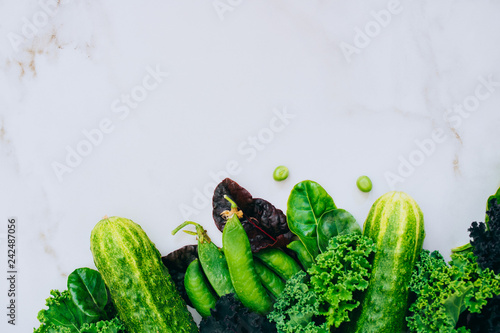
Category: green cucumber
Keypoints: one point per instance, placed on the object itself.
(140, 285)
(396, 226)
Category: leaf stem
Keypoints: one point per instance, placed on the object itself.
(183, 225)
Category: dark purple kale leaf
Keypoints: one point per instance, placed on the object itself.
(265, 225)
(177, 263)
(486, 239)
(231, 316)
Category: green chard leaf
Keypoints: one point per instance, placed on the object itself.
(333, 223)
(307, 202)
(88, 291)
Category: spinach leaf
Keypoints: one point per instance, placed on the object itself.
(333, 223)
(88, 291)
(307, 202)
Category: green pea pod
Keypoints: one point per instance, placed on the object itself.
(198, 289)
(241, 265)
(269, 279)
(212, 260)
(280, 262)
(304, 257)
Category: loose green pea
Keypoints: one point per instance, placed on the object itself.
(364, 184)
(280, 173)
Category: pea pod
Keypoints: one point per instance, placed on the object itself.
(198, 289)
(280, 262)
(212, 260)
(304, 257)
(241, 265)
(269, 279)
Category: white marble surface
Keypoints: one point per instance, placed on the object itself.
(186, 91)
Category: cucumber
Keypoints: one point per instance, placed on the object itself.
(396, 226)
(140, 285)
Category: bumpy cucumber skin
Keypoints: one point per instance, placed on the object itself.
(140, 285)
(396, 226)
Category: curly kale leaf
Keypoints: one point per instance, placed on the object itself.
(230, 315)
(62, 312)
(297, 310)
(325, 298)
(114, 325)
(485, 238)
(485, 241)
(340, 273)
(443, 292)
(89, 311)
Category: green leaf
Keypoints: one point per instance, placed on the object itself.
(62, 311)
(333, 223)
(307, 202)
(304, 257)
(455, 304)
(489, 203)
(114, 325)
(53, 329)
(88, 291)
